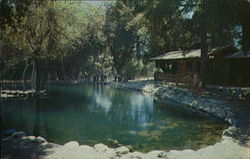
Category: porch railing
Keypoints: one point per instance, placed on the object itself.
(190, 78)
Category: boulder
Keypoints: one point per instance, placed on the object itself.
(87, 149)
(231, 131)
(157, 153)
(71, 145)
(136, 155)
(101, 147)
(122, 150)
(39, 139)
(29, 138)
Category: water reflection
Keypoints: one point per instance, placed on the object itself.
(141, 108)
(101, 100)
(93, 114)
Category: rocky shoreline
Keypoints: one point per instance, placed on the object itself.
(227, 111)
(21, 146)
(6, 94)
(183, 97)
(230, 146)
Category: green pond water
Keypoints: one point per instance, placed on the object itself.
(92, 114)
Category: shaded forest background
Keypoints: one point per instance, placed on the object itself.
(61, 40)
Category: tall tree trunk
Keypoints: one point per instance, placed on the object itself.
(24, 73)
(33, 75)
(38, 75)
(204, 51)
(245, 23)
(38, 124)
(60, 71)
(44, 79)
(44, 75)
(246, 36)
(117, 69)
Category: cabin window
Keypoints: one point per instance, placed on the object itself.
(168, 66)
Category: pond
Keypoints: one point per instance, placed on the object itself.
(92, 114)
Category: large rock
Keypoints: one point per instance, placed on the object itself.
(135, 155)
(231, 131)
(30, 138)
(39, 139)
(110, 153)
(101, 147)
(157, 153)
(87, 149)
(71, 145)
(122, 150)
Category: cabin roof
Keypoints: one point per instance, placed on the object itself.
(238, 55)
(178, 55)
(227, 52)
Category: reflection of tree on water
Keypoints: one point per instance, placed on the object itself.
(40, 127)
(128, 108)
(17, 114)
(102, 99)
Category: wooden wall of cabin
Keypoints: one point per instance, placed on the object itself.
(239, 72)
(190, 65)
(218, 72)
(233, 72)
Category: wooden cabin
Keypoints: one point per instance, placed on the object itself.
(226, 66)
(237, 68)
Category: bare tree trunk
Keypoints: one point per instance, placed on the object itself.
(24, 73)
(44, 74)
(204, 51)
(60, 72)
(33, 74)
(246, 36)
(44, 79)
(245, 23)
(34, 81)
(38, 76)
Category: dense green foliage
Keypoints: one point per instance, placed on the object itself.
(66, 39)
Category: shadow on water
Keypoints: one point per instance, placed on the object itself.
(19, 149)
(30, 120)
(91, 114)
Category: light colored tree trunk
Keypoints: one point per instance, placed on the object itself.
(33, 76)
(24, 73)
(34, 81)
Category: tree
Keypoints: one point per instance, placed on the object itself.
(217, 22)
(120, 38)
